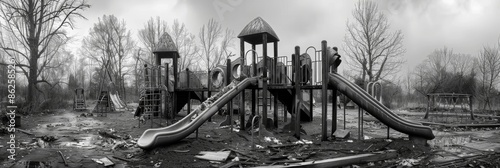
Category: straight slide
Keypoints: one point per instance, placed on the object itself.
(377, 109)
(119, 106)
(163, 136)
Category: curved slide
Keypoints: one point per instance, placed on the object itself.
(117, 102)
(378, 110)
(183, 128)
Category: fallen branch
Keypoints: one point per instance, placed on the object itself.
(24, 131)
(64, 159)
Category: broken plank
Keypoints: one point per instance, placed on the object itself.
(343, 161)
(283, 146)
(243, 154)
(230, 164)
(24, 131)
(213, 156)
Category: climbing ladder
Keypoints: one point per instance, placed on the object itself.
(152, 94)
(79, 100)
(103, 105)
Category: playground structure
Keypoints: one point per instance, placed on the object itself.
(449, 107)
(108, 99)
(79, 100)
(285, 80)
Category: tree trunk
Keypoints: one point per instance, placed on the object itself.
(32, 78)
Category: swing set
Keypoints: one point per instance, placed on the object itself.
(449, 107)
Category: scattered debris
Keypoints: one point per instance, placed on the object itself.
(408, 162)
(64, 159)
(109, 135)
(260, 147)
(303, 141)
(104, 161)
(213, 156)
(24, 131)
(342, 134)
(47, 138)
(158, 164)
(40, 143)
(86, 115)
(272, 139)
(181, 151)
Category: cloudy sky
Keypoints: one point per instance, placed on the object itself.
(463, 25)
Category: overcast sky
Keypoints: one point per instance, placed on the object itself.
(463, 25)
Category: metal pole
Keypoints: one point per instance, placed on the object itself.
(298, 94)
(230, 104)
(324, 92)
(264, 80)
(242, 99)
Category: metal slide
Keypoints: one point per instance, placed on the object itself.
(377, 109)
(163, 136)
(119, 105)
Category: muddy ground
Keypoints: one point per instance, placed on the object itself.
(82, 139)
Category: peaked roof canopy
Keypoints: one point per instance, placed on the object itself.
(252, 33)
(166, 47)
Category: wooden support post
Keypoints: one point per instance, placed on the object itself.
(275, 81)
(470, 107)
(285, 113)
(334, 104)
(189, 92)
(169, 104)
(242, 72)
(174, 62)
(324, 92)
(311, 103)
(209, 92)
(254, 70)
(230, 103)
(264, 80)
(298, 94)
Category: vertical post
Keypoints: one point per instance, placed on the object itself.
(275, 81)
(242, 99)
(254, 70)
(470, 107)
(230, 103)
(285, 113)
(311, 101)
(209, 92)
(169, 105)
(298, 94)
(189, 92)
(264, 80)
(174, 62)
(324, 92)
(344, 103)
(334, 102)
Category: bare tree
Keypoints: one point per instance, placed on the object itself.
(214, 50)
(431, 75)
(446, 71)
(185, 43)
(489, 73)
(34, 31)
(110, 44)
(150, 36)
(370, 44)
